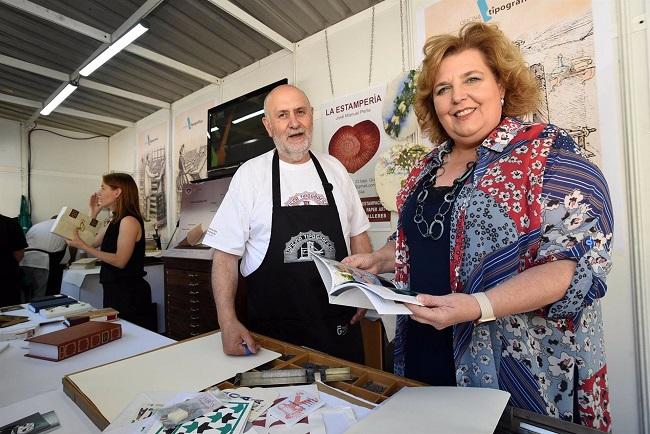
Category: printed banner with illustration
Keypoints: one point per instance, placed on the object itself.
(190, 148)
(150, 165)
(353, 133)
(556, 38)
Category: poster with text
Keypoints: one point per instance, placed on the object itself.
(190, 148)
(556, 38)
(353, 133)
(151, 176)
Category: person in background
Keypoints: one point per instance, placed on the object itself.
(122, 249)
(506, 230)
(281, 208)
(12, 250)
(43, 245)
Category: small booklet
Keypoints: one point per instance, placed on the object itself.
(351, 286)
(84, 263)
(70, 219)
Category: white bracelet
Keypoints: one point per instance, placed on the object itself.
(487, 314)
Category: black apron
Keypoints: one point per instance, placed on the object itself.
(286, 296)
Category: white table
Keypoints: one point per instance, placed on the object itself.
(83, 285)
(24, 380)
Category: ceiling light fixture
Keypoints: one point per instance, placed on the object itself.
(252, 115)
(58, 99)
(114, 48)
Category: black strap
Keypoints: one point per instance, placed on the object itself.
(327, 187)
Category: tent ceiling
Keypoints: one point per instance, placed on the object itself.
(190, 43)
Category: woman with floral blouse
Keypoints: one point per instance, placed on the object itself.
(505, 229)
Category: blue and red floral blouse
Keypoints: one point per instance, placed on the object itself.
(533, 198)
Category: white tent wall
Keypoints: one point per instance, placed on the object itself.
(65, 171)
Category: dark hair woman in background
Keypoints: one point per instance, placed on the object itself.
(122, 249)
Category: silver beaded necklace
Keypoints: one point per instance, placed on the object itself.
(436, 227)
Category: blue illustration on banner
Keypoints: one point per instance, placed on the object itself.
(483, 8)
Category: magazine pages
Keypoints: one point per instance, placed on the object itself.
(350, 286)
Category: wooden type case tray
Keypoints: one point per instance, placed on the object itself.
(383, 384)
(367, 383)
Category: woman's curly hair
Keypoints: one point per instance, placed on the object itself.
(504, 58)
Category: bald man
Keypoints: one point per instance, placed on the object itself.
(280, 208)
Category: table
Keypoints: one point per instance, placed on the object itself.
(25, 380)
(83, 285)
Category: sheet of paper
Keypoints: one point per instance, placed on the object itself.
(436, 410)
(190, 365)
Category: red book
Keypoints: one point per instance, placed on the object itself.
(67, 342)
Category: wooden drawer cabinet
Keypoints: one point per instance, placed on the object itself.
(189, 304)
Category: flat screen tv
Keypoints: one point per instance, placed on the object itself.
(236, 132)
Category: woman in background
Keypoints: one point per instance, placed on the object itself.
(505, 228)
(122, 249)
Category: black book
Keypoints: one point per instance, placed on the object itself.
(34, 423)
(62, 300)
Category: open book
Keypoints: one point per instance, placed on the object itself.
(70, 219)
(350, 286)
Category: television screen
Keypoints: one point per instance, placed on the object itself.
(236, 132)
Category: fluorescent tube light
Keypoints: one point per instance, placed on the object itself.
(252, 115)
(65, 92)
(113, 49)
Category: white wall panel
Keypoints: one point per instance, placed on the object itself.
(10, 192)
(271, 69)
(9, 143)
(65, 171)
(10, 167)
(121, 151)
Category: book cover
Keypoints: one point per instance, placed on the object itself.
(84, 263)
(61, 344)
(60, 300)
(10, 320)
(66, 309)
(70, 219)
(33, 424)
(106, 314)
(351, 286)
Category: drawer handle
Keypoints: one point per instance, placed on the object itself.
(194, 325)
(195, 292)
(193, 284)
(194, 309)
(194, 334)
(192, 318)
(191, 275)
(194, 301)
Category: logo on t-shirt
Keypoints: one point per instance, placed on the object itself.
(306, 198)
(300, 247)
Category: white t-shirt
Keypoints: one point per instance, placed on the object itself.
(40, 237)
(242, 224)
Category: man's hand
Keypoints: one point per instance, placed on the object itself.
(237, 340)
(361, 313)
